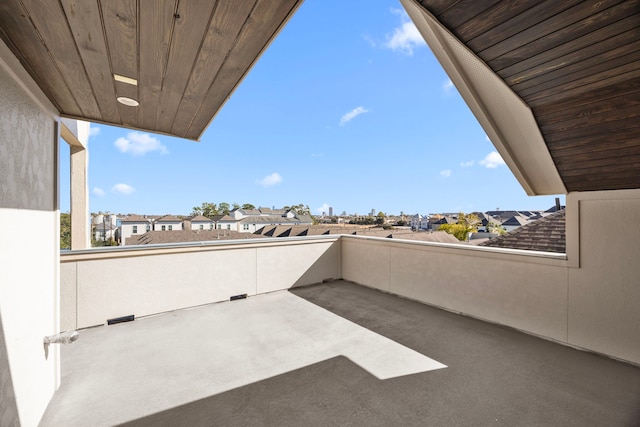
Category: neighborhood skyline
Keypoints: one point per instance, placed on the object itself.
(332, 118)
(336, 213)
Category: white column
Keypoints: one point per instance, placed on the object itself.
(76, 134)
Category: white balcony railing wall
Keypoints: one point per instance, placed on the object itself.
(101, 284)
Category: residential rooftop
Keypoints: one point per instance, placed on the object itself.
(546, 234)
(178, 236)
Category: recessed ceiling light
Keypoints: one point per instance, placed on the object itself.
(127, 80)
(128, 101)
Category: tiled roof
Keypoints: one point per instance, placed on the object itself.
(180, 236)
(267, 230)
(218, 218)
(444, 220)
(305, 219)
(546, 235)
(554, 209)
(201, 218)
(435, 236)
(250, 211)
(290, 231)
(268, 219)
(516, 220)
(169, 218)
(134, 218)
(317, 231)
(503, 215)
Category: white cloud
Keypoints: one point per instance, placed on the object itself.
(492, 160)
(124, 189)
(324, 208)
(98, 192)
(468, 164)
(270, 180)
(446, 173)
(352, 115)
(93, 130)
(139, 144)
(406, 37)
(448, 86)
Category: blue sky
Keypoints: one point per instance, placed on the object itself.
(345, 109)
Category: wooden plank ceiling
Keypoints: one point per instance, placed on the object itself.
(577, 65)
(186, 56)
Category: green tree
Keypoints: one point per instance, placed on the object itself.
(223, 208)
(466, 224)
(209, 210)
(206, 209)
(457, 230)
(248, 206)
(65, 230)
(299, 209)
(380, 218)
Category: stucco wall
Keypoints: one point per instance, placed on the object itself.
(604, 303)
(100, 285)
(522, 291)
(29, 247)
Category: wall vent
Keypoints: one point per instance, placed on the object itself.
(235, 297)
(122, 319)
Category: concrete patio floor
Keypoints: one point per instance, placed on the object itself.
(333, 354)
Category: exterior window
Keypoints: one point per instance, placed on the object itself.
(201, 226)
(164, 227)
(148, 227)
(135, 229)
(211, 226)
(228, 226)
(170, 227)
(219, 226)
(245, 226)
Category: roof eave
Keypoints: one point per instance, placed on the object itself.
(506, 119)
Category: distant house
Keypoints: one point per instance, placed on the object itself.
(199, 222)
(167, 223)
(419, 222)
(252, 220)
(502, 216)
(105, 230)
(251, 224)
(225, 222)
(515, 222)
(485, 220)
(240, 213)
(435, 223)
(133, 225)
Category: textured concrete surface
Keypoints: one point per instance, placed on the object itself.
(157, 363)
(494, 375)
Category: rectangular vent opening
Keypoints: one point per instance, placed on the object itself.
(236, 297)
(122, 319)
